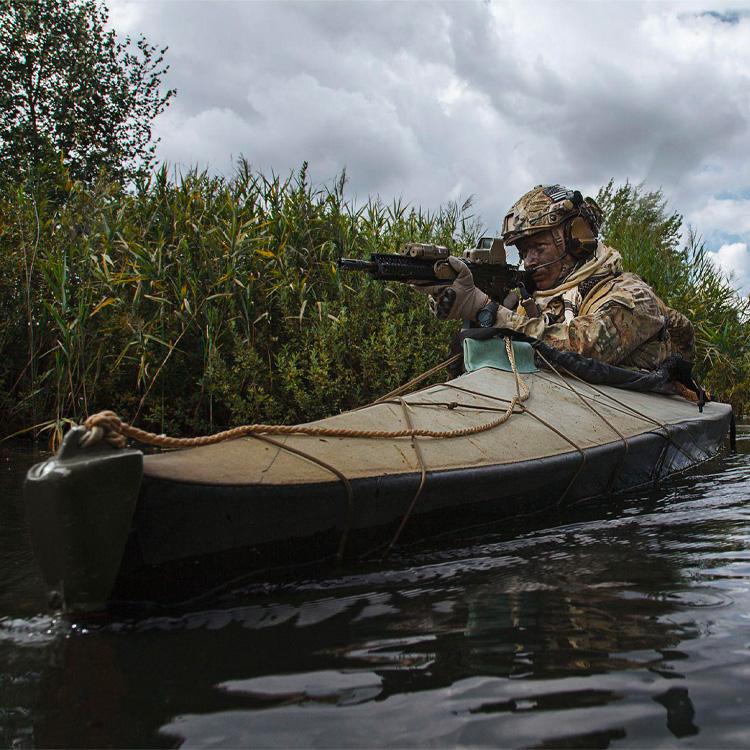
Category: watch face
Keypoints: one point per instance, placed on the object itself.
(485, 318)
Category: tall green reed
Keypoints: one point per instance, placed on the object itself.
(196, 302)
(192, 302)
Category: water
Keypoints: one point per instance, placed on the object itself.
(625, 624)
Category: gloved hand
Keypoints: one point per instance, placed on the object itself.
(467, 299)
(504, 317)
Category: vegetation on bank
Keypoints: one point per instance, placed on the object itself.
(195, 304)
(191, 304)
(674, 260)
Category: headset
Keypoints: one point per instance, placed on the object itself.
(580, 241)
(580, 238)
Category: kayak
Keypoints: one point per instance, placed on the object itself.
(109, 524)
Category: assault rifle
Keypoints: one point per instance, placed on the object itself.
(420, 263)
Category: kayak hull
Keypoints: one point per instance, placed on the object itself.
(205, 516)
(256, 529)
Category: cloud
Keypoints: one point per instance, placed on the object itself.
(439, 100)
(724, 223)
(732, 215)
(734, 260)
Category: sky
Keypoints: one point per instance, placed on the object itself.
(432, 102)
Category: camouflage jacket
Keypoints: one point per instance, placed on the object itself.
(612, 316)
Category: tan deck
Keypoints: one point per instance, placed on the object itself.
(249, 461)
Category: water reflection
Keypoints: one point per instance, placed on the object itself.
(621, 624)
(680, 711)
(539, 627)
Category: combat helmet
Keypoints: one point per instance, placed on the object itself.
(550, 206)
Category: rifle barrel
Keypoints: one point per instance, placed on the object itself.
(353, 264)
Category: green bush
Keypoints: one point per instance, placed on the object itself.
(192, 304)
(196, 303)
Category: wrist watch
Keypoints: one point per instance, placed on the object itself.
(486, 316)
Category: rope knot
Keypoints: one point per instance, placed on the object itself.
(105, 425)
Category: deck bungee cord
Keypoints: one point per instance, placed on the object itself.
(627, 409)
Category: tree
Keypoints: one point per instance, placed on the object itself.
(70, 89)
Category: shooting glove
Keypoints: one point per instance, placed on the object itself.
(504, 318)
(466, 300)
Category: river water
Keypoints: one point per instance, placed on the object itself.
(624, 624)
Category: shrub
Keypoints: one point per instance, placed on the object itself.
(195, 303)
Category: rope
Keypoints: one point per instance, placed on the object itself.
(116, 432)
(108, 426)
(522, 394)
(422, 480)
(580, 450)
(627, 409)
(554, 429)
(591, 407)
(342, 477)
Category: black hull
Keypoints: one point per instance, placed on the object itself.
(187, 538)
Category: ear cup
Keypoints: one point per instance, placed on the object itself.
(580, 240)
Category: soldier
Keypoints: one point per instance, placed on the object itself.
(584, 302)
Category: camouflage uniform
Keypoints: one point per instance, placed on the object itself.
(613, 316)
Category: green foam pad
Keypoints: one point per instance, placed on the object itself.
(491, 353)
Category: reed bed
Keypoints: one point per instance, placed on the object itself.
(198, 302)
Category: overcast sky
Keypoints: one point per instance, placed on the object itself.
(439, 101)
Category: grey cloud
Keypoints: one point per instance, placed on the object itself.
(216, 49)
(334, 128)
(603, 114)
(433, 101)
(730, 17)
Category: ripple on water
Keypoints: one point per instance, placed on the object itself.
(328, 686)
(32, 631)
